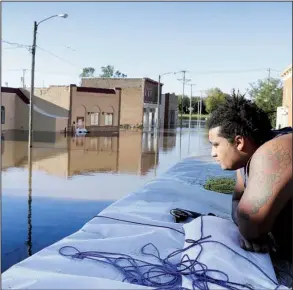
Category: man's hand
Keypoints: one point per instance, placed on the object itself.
(238, 192)
(260, 246)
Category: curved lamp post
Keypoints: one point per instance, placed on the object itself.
(33, 50)
(159, 93)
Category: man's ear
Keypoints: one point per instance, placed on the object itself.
(239, 142)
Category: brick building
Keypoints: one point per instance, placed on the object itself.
(47, 117)
(99, 104)
(95, 109)
(138, 98)
(60, 108)
(169, 111)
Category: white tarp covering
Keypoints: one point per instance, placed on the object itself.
(151, 204)
(220, 256)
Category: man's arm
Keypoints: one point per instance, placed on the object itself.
(269, 188)
(238, 192)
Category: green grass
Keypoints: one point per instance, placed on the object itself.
(220, 184)
(193, 116)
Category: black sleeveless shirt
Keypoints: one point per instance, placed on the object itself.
(282, 228)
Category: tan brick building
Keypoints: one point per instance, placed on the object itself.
(15, 112)
(99, 104)
(95, 109)
(138, 98)
(60, 108)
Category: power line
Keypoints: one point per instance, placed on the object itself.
(234, 71)
(11, 47)
(16, 44)
(60, 58)
(63, 45)
(20, 45)
(44, 72)
(12, 69)
(65, 73)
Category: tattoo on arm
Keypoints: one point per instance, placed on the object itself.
(269, 169)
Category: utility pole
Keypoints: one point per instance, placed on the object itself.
(23, 77)
(269, 83)
(199, 108)
(30, 136)
(200, 105)
(269, 77)
(184, 80)
(190, 105)
(197, 114)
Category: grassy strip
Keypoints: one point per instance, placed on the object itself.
(193, 117)
(220, 184)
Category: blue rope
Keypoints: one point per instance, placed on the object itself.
(164, 274)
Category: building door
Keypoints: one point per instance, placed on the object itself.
(80, 122)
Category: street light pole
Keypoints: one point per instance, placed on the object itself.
(182, 99)
(200, 105)
(32, 86)
(33, 50)
(190, 105)
(160, 95)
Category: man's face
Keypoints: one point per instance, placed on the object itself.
(224, 152)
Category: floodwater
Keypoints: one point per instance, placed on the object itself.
(68, 180)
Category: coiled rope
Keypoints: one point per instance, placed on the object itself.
(163, 274)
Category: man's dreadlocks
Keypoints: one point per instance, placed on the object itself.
(239, 116)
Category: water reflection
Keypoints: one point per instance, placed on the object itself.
(29, 201)
(130, 152)
(38, 208)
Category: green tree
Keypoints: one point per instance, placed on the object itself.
(109, 72)
(183, 104)
(267, 94)
(87, 72)
(214, 98)
(118, 74)
(186, 104)
(194, 104)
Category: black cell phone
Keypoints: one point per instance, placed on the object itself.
(180, 215)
